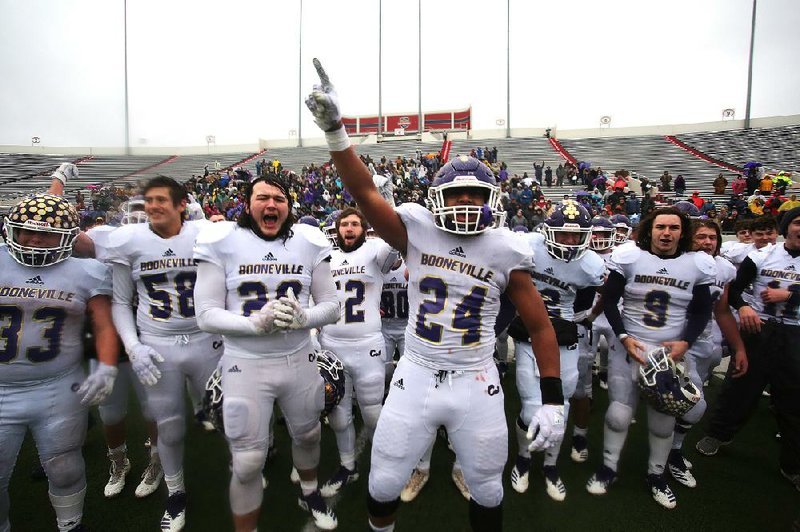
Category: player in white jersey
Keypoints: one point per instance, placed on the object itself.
(114, 410)
(394, 314)
(763, 233)
(666, 302)
(770, 326)
(590, 331)
(742, 231)
(164, 343)
(458, 264)
(566, 274)
(45, 298)
(357, 268)
(254, 282)
(706, 353)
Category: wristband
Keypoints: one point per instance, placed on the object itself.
(552, 394)
(621, 337)
(337, 140)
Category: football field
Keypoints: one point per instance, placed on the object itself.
(740, 489)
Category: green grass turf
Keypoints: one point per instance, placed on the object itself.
(740, 489)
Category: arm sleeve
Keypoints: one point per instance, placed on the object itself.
(505, 315)
(326, 302)
(744, 277)
(698, 313)
(209, 296)
(612, 293)
(584, 298)
(122, 306)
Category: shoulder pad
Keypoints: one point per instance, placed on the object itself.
(312, 234)
(594, 267)
(215, 232)
(413, 212)
(725, 270)
(535, 240)
(116, 244)
(99, 274)
(627, 253)
(705, 262)
(120, 236)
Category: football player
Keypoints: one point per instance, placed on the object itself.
(357, 268)
(566, 275)
(590, 331)
(770, 326)
(394, 314)
(154, 262)
(667, 301)
(706, 352)
(763, 233)
(254, 281)
(458, 264)
(45, 298)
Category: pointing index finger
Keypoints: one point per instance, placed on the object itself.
(323, 76)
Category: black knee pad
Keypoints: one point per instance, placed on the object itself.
(381, 509)
(484, 519)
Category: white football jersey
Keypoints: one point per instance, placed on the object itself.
(558, 281)
(776, 269)
(358, 280)
(737, 251)
(394, 301)
(658, 291)
(164, 272)
(726, 273)
(100, 235)
(257, 271)
(454, 289)
(42, 315)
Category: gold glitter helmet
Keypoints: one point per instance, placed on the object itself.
(47, 215)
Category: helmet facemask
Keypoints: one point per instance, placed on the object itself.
(602, 238)
(48, 215)
(567, 252)
(466, 219)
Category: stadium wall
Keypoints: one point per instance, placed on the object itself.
(664, 129)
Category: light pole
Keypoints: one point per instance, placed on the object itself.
(750, 68)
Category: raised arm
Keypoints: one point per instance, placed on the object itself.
(323, 102)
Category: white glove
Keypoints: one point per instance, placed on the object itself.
(98, 385)
(546, 428)
(264, 319)
(323, 102)
(143, 359)
(65, 171)
(289, 314)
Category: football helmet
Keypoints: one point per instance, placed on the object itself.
(194, 211)
(212, 400)
(308, 220)
(688, 208)
(623, 226)
(520, 229)
(569, 217)
(465, 172)
(665, 385)
(602, 234)
(332, 371)
(329, 228)
(133, 211)
(45, 214)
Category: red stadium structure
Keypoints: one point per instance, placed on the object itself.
(403, 123)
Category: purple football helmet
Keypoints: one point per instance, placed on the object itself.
(665, 385)
(567, 231)
(465, 172)
(623, 226)
(329, 228)
(309, 220)
(602, 234)
(133, 211)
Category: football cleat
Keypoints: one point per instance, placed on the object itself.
(600, 482)
(554, 485)
(458, 479)
(709, 446)
(519, 474)
(678, 469)
(580, 450)
(151, 478)
(340, 479)
(119, 469)
(415, 484)
(661, 492)
(323, 516)
(174, 518)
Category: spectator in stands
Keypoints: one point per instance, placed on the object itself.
(519, 219)
(782, 180)
(632, 204)
(756, 206)
(537, 217)
(537, 171)
(789, 204)
(548, 176)
(753, 182)
(696, 199)
(737, 203)
(719, 184)
(561, 173)
(766, 185)
(621, 179)
(739, 185)
(666, 182)
(680, 185)
(526, 196)
(773, 204)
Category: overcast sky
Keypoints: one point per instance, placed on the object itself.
(230, 69)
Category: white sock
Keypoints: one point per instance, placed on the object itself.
(387, 528)
(174, 483)
(68, 509)
(348, 460)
